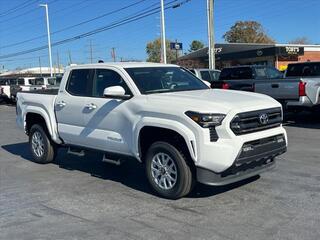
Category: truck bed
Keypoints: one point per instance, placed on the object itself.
(38, 102)
(50, 91)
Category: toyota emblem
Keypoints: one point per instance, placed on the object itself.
(264, 119)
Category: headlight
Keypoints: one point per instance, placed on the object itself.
(206, 120)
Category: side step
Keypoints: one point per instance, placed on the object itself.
(76, 151)
(108, 159)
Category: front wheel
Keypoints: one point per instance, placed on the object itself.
(42, 149)
(167, 171)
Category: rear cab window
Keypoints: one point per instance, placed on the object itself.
(205, 75)
(311, 69)
(237, 73)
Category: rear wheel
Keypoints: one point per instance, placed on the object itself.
(167, 171)
(42, 149)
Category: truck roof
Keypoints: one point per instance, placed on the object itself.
(248, 66)
(205, 69)
(122, 65)
(309, 62)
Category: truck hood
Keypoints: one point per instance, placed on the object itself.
(211, 101)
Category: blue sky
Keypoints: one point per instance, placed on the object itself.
(283, 20)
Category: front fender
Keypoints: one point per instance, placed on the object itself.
(178, 127)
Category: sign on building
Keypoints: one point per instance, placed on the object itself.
(175, 46)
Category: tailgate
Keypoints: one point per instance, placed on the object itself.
(279, 89)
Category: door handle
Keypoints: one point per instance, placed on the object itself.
(61, 104)
(91, 106)
(275, 85)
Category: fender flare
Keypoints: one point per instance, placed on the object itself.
(178, 127)
(46, 116)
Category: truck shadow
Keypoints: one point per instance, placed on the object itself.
(130, 173)
(303, 120)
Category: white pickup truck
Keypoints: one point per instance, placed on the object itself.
(161, 115)
(309, 85)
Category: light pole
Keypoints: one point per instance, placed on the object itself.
(49, 39)
(211, 52)
(163, 35)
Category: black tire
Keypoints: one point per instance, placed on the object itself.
(49, 150)
(184, 179)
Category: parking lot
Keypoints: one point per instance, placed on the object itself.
(84, 198)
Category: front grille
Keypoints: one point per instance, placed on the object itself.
(253, 150)
(249, 122)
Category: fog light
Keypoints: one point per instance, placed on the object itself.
(280, 139)
(247, 148)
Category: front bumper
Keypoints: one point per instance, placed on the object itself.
(254, 158)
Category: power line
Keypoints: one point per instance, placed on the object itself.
(75, 25)
(96, 31)
(17, 8)
(24, 58)
(26, 12)
(73, 7)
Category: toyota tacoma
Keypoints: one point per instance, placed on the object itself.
(159, 114)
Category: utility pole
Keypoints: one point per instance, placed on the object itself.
(48, 32)
(163, 35)
(176, 51)
(69, 55)
(58, 61)
(40, 66)
(91, 52)
(211, 52)
(113, 54)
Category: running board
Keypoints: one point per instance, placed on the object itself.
(76, 151)
(112, 161)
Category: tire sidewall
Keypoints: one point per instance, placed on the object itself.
(166, 148)
(37, 128)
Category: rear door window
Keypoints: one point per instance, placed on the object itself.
(21, 81)
(51, 81)
(38, 81)
(261, 73)
(215, 75)
(80, 82)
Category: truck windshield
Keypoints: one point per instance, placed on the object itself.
(164, 79)
(303, 70)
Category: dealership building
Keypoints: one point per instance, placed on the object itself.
(233, 54)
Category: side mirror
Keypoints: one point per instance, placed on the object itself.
(116, 92)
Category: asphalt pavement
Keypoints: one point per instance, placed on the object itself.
(84, 198)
